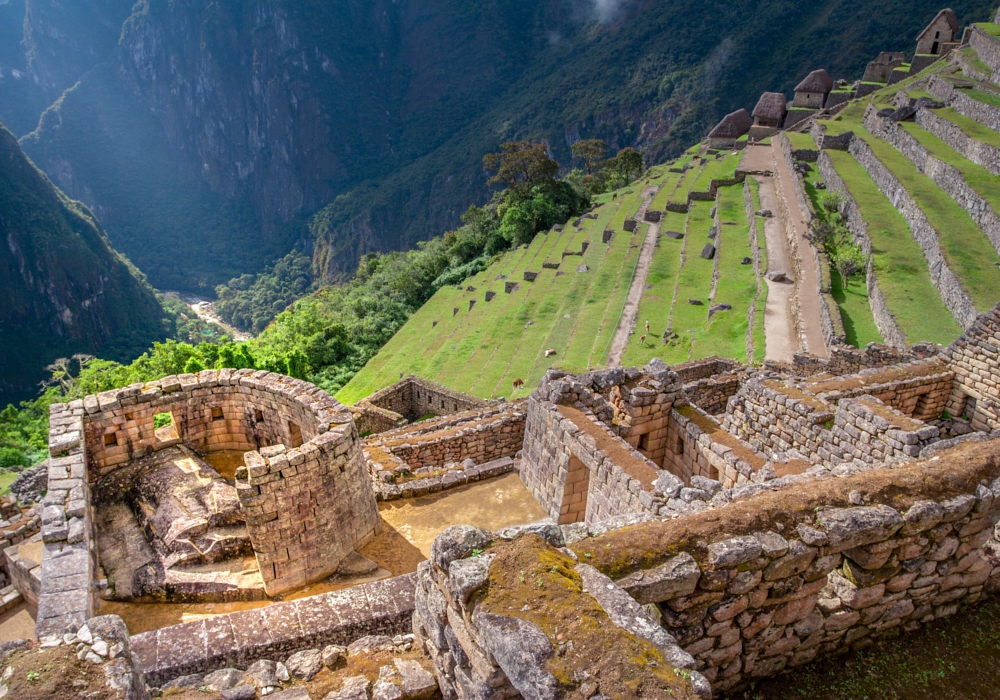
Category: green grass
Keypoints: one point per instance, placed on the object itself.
(484, 349)
(899, 262)
(987, 98)
(801, 141)
(759, 339)
(851, 295)
(6, 479)
(978, 178)
(971, 128)
(989, 28)
(972, 58)
(969, 253)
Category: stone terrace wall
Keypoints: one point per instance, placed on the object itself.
(858, 227)
(847, 360)
(943, 175)
(978, 152)
(66, 600)
(798, 582)
(712, 393)
(975, 359)
(413, 397)
(689, 372)
(371, 420)
(775, 418)
(481, 438)
(830, 320)
(918, 389)
(953, 293)
(986, 47)
(239, 639)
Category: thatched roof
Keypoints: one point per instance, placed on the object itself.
(949, 15)
(732, 126)
(771, 105)
(817, 81)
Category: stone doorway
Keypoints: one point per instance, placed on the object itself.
(574, 503)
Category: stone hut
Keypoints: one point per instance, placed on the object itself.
(941, 31)
(879, 70)
(729, 130)
(770, 110)
(811, 93)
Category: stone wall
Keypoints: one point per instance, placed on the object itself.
(696, 450)
(24, 574)
(239, 639)
(371, 420)
(975, 359)
(769, 597)
(948, 178)
(918, 389)
(574, 463)
(689, 372)
(16, 527)
(978, 152)
(829, 312)
(986, 47)
(845, 359)
(775, 418)
(953, 293)
(985, 114)
(66, 597)
(712, 393)
(413, 397)
(858, 227)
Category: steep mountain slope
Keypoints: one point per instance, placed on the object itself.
(214, 131)
(63, 289)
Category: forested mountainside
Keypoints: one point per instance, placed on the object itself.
(63, 290)
(213, 131)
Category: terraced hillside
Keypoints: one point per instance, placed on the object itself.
(920, 197)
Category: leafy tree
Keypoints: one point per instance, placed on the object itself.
(590, 151)
(193, 365)
(626, 166)
(520, 163)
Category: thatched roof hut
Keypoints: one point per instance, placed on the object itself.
(731, 127)
(819, 81)
(770, 108)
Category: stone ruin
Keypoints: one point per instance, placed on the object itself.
(729, 522)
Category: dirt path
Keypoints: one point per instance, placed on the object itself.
(631, 310)
(780, 338)
(807, 284)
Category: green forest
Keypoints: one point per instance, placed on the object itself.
(328, 336)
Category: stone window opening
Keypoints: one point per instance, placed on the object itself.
(969, 410)
(295, 434)
(454, 406)
(920, 409)
(111, 439)
(165, 427)
(258, 416)
(217, 414)
(934, 48)
(644, 444)
(679, 448)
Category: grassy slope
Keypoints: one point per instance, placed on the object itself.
(971, 128)
(899, 263)
(967, 250)
(759, 341)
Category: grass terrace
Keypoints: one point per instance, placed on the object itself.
(900, 265)
(801, 141)
(970, 127)
(966, 248)
(759, 340)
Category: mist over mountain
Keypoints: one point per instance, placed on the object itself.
(211, 137)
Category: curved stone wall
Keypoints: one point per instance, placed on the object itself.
(304, 490)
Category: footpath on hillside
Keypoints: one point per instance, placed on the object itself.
(631, 310)
(792, 313)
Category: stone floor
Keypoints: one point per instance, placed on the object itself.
(408, 528)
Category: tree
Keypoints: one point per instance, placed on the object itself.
(626, 166)
(590, 151)
(520, 163)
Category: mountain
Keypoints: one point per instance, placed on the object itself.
(214, 137)
(63, 289)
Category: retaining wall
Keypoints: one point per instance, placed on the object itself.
(976, 151)
(712, 393)
(948, 178)
(413, 397)
(987, 48)
(239, 639)
(975, 359)
(953, 293)
(985, 114)
(858, 227)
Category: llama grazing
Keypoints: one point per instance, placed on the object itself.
(518, 383)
